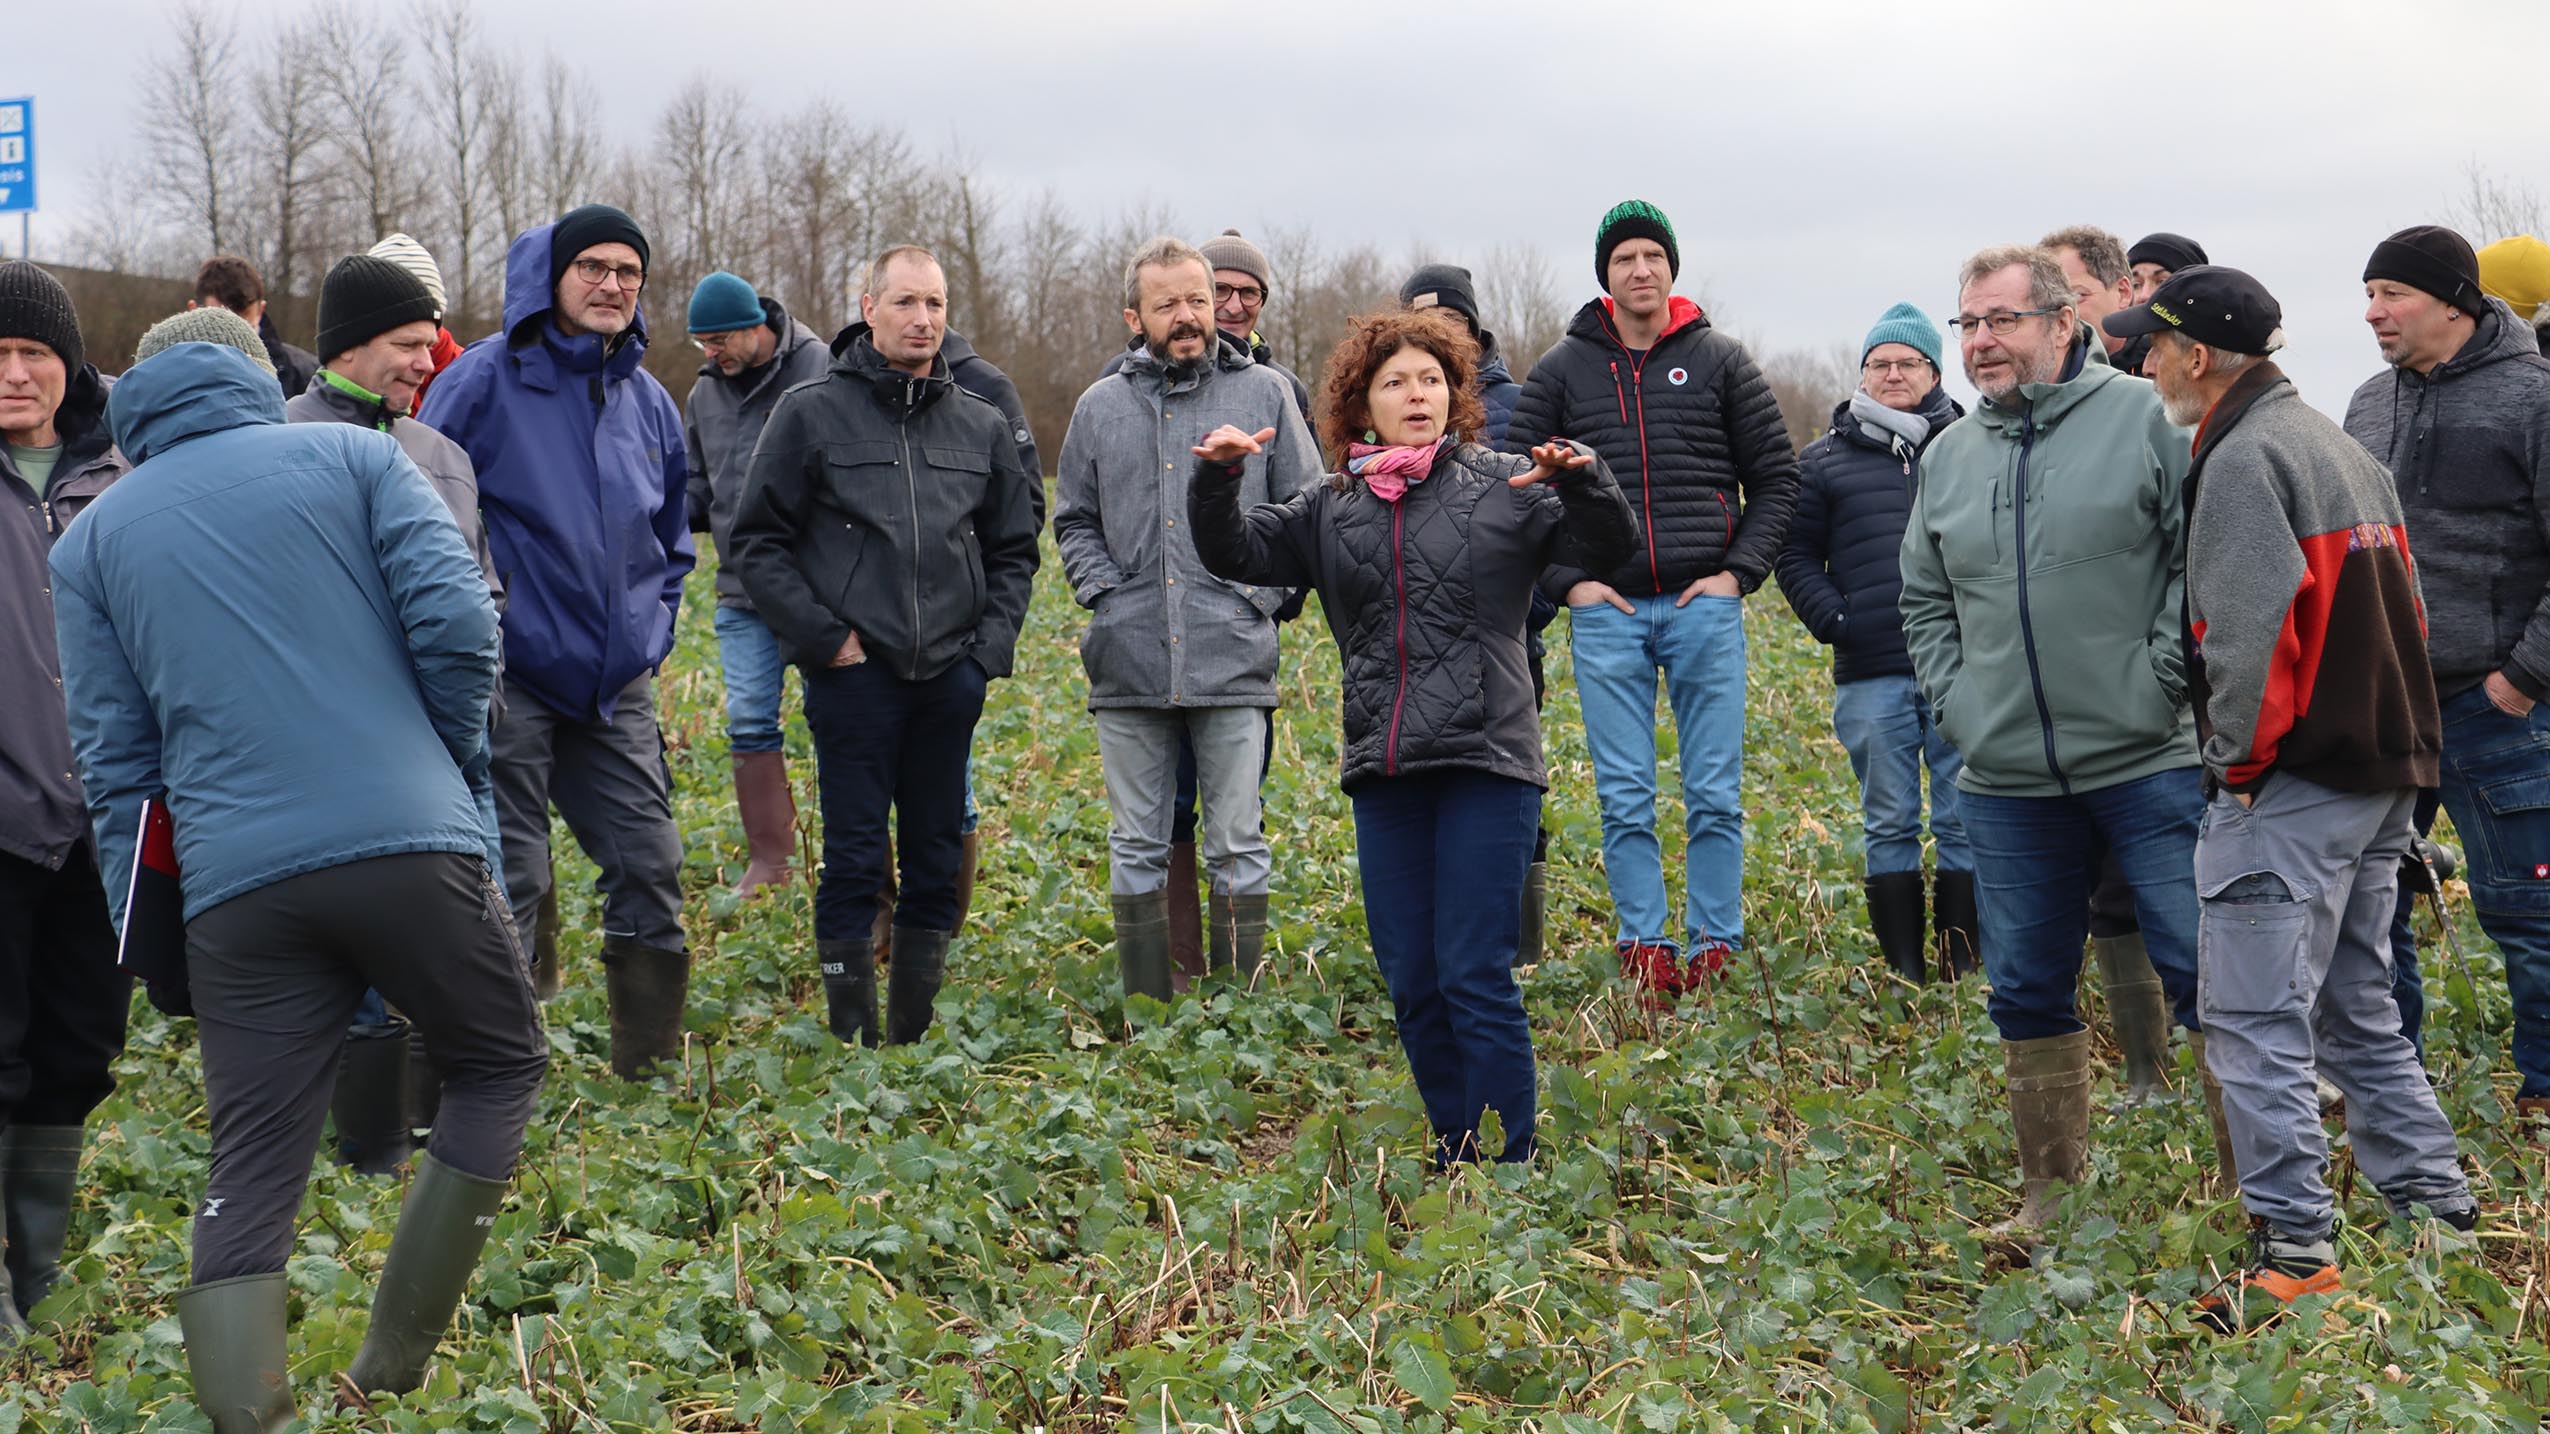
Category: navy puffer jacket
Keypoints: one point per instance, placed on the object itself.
(1842, 568)
(1693, 434)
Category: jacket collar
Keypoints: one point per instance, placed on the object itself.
(351, 401)
(1144, 367)
(2254, 384)
(855, 357)
(2085, 372)
(1595, 321)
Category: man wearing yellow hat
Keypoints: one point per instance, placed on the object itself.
(2517, 270)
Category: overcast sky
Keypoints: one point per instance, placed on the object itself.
(1819, 160)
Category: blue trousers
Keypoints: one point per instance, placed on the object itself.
(1442, 856)
(2496, 785)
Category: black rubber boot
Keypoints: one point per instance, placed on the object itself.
(432, 1255)
(1238, 939)
(1143, 944)
(1535, 936)
(2137, 1013)
(234, 1332)
(648, 987)
(1895, 913)
(1954, 918)
(370, 1106)
(39, 1171)
(912, 984)
(850, 989)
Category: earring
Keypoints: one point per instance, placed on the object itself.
(1371, 437)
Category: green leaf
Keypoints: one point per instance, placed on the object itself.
(1418, 1363)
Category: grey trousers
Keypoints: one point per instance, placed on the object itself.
(1138, 747)
(276, 975)
(608, 781)
(2293, 957)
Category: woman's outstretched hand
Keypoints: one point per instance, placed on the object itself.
(1548, 461)
(1227, 444)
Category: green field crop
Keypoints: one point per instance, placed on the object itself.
(1767, 1211)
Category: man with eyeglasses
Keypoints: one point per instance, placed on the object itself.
(2042, 570)
(754, 353)
(583, 481)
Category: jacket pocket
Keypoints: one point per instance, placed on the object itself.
(864, 478)
(2253, 922)
(845, 587)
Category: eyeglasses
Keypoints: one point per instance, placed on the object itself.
(1907, 367)
(715, 343)
(2001, 324)
(1249, 297)
(594, 271)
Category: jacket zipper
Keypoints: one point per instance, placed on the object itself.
(912, 488)
(2027, 629)
(1399, 575)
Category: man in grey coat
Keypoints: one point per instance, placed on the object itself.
(755, 352)
(1172, 650)
(2462, 418)
(378, 326)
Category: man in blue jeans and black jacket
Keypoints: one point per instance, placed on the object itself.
(2463, 422)
(1684, 418)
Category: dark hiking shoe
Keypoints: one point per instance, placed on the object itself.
(2281, 1269)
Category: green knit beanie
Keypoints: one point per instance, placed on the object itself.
(210, 324)
(1632, 219)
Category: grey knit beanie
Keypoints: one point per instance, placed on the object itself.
(211, 324)
(1227, 250)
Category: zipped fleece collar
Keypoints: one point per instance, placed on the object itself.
(854, 355)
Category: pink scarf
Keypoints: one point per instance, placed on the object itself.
(1389, 471)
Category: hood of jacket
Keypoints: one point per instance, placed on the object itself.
(1595, 321)
(186, 391)
(854, 355)
(530, 297)
(80, 423)
(2499, 336)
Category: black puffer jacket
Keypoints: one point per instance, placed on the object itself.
(1426, 597)
(1842, 568)
(890, 505)
(1694, 434)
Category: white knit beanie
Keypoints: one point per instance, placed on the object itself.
(411, 256)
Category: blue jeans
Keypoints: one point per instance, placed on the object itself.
(1442, 856)
(756, 671)
(1884, 723)
(1699, 648)
(2496, 785)
(2035, 861)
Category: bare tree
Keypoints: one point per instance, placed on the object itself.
(805, 206)
(463, 80)
(289, 145)
(1520, 301)
(1809, 384)
(2489, 209)
(190, 125)
(365, 87)
(705, 137)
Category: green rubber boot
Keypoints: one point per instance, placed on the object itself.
(234, 1350)
(1238, 939)
(40, 1170)
(1142, 944)
(432, 1256)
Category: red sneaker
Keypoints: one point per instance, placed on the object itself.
(1708, 963)
(1654, 970)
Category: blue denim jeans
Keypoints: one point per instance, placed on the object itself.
(1884, 723)
(1699, 647)
(2035, 861)
(2496, 785)
(1442, 856)
(756, 671)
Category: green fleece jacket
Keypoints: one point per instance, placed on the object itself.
(2044, 565)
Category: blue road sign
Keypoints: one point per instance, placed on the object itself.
(17, 156)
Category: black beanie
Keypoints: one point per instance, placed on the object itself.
(580, 229)
(1442, 286)
(364, 297)
(2433, 258)
(2170, 251)
(1633, 219)
(34, 305)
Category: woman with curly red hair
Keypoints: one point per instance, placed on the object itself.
(1424, 547)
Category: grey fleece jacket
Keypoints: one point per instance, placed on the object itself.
(1163, 631)
(722, 421)
(2469, 447)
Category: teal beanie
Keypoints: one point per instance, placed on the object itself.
(1906, 325)
(724, 303)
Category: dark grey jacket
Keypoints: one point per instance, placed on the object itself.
(1426, 597)
(1164, 631)
(442, 461)
(2469, 447)
(723, 419)
(893, 506)
(978, 376)
(43, 813)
